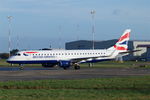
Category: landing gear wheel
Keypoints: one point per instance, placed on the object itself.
(21, 67)
(76, 67)
(64, 68)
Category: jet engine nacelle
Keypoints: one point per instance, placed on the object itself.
(65, 64)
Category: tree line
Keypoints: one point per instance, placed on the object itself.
(6, 55)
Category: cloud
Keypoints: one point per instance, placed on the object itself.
(73, 9)
(116, 12)
(34, 6)
(119, 12)
(52, 8)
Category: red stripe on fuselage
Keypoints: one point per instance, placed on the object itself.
(30, 52)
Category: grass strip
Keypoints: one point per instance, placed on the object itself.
(129, 88)
(129, 83)
(65, 94)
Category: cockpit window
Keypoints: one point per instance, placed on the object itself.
(18, 54)
(25, 54)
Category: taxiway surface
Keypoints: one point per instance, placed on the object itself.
(13, 73)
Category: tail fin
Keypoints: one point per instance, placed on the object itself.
(122, 43)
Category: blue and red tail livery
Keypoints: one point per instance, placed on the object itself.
(122, 43)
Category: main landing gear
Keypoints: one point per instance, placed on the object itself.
(76, 66)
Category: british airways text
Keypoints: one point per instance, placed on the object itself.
(43, 56)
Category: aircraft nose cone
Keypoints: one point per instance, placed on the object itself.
(9, 59)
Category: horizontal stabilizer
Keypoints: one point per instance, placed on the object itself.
(129, 51)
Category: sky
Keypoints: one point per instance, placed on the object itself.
(37, 24)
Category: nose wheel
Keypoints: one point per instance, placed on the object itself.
(21, 67)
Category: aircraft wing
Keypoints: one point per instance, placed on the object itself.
(78, 60)
(84, 59)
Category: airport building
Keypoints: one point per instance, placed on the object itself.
(143, 46)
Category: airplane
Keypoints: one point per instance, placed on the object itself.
(67, 58)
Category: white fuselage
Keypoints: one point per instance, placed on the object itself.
(39, 56)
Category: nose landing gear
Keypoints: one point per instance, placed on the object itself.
(21, 66)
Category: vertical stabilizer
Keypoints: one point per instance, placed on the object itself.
(122, 43)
